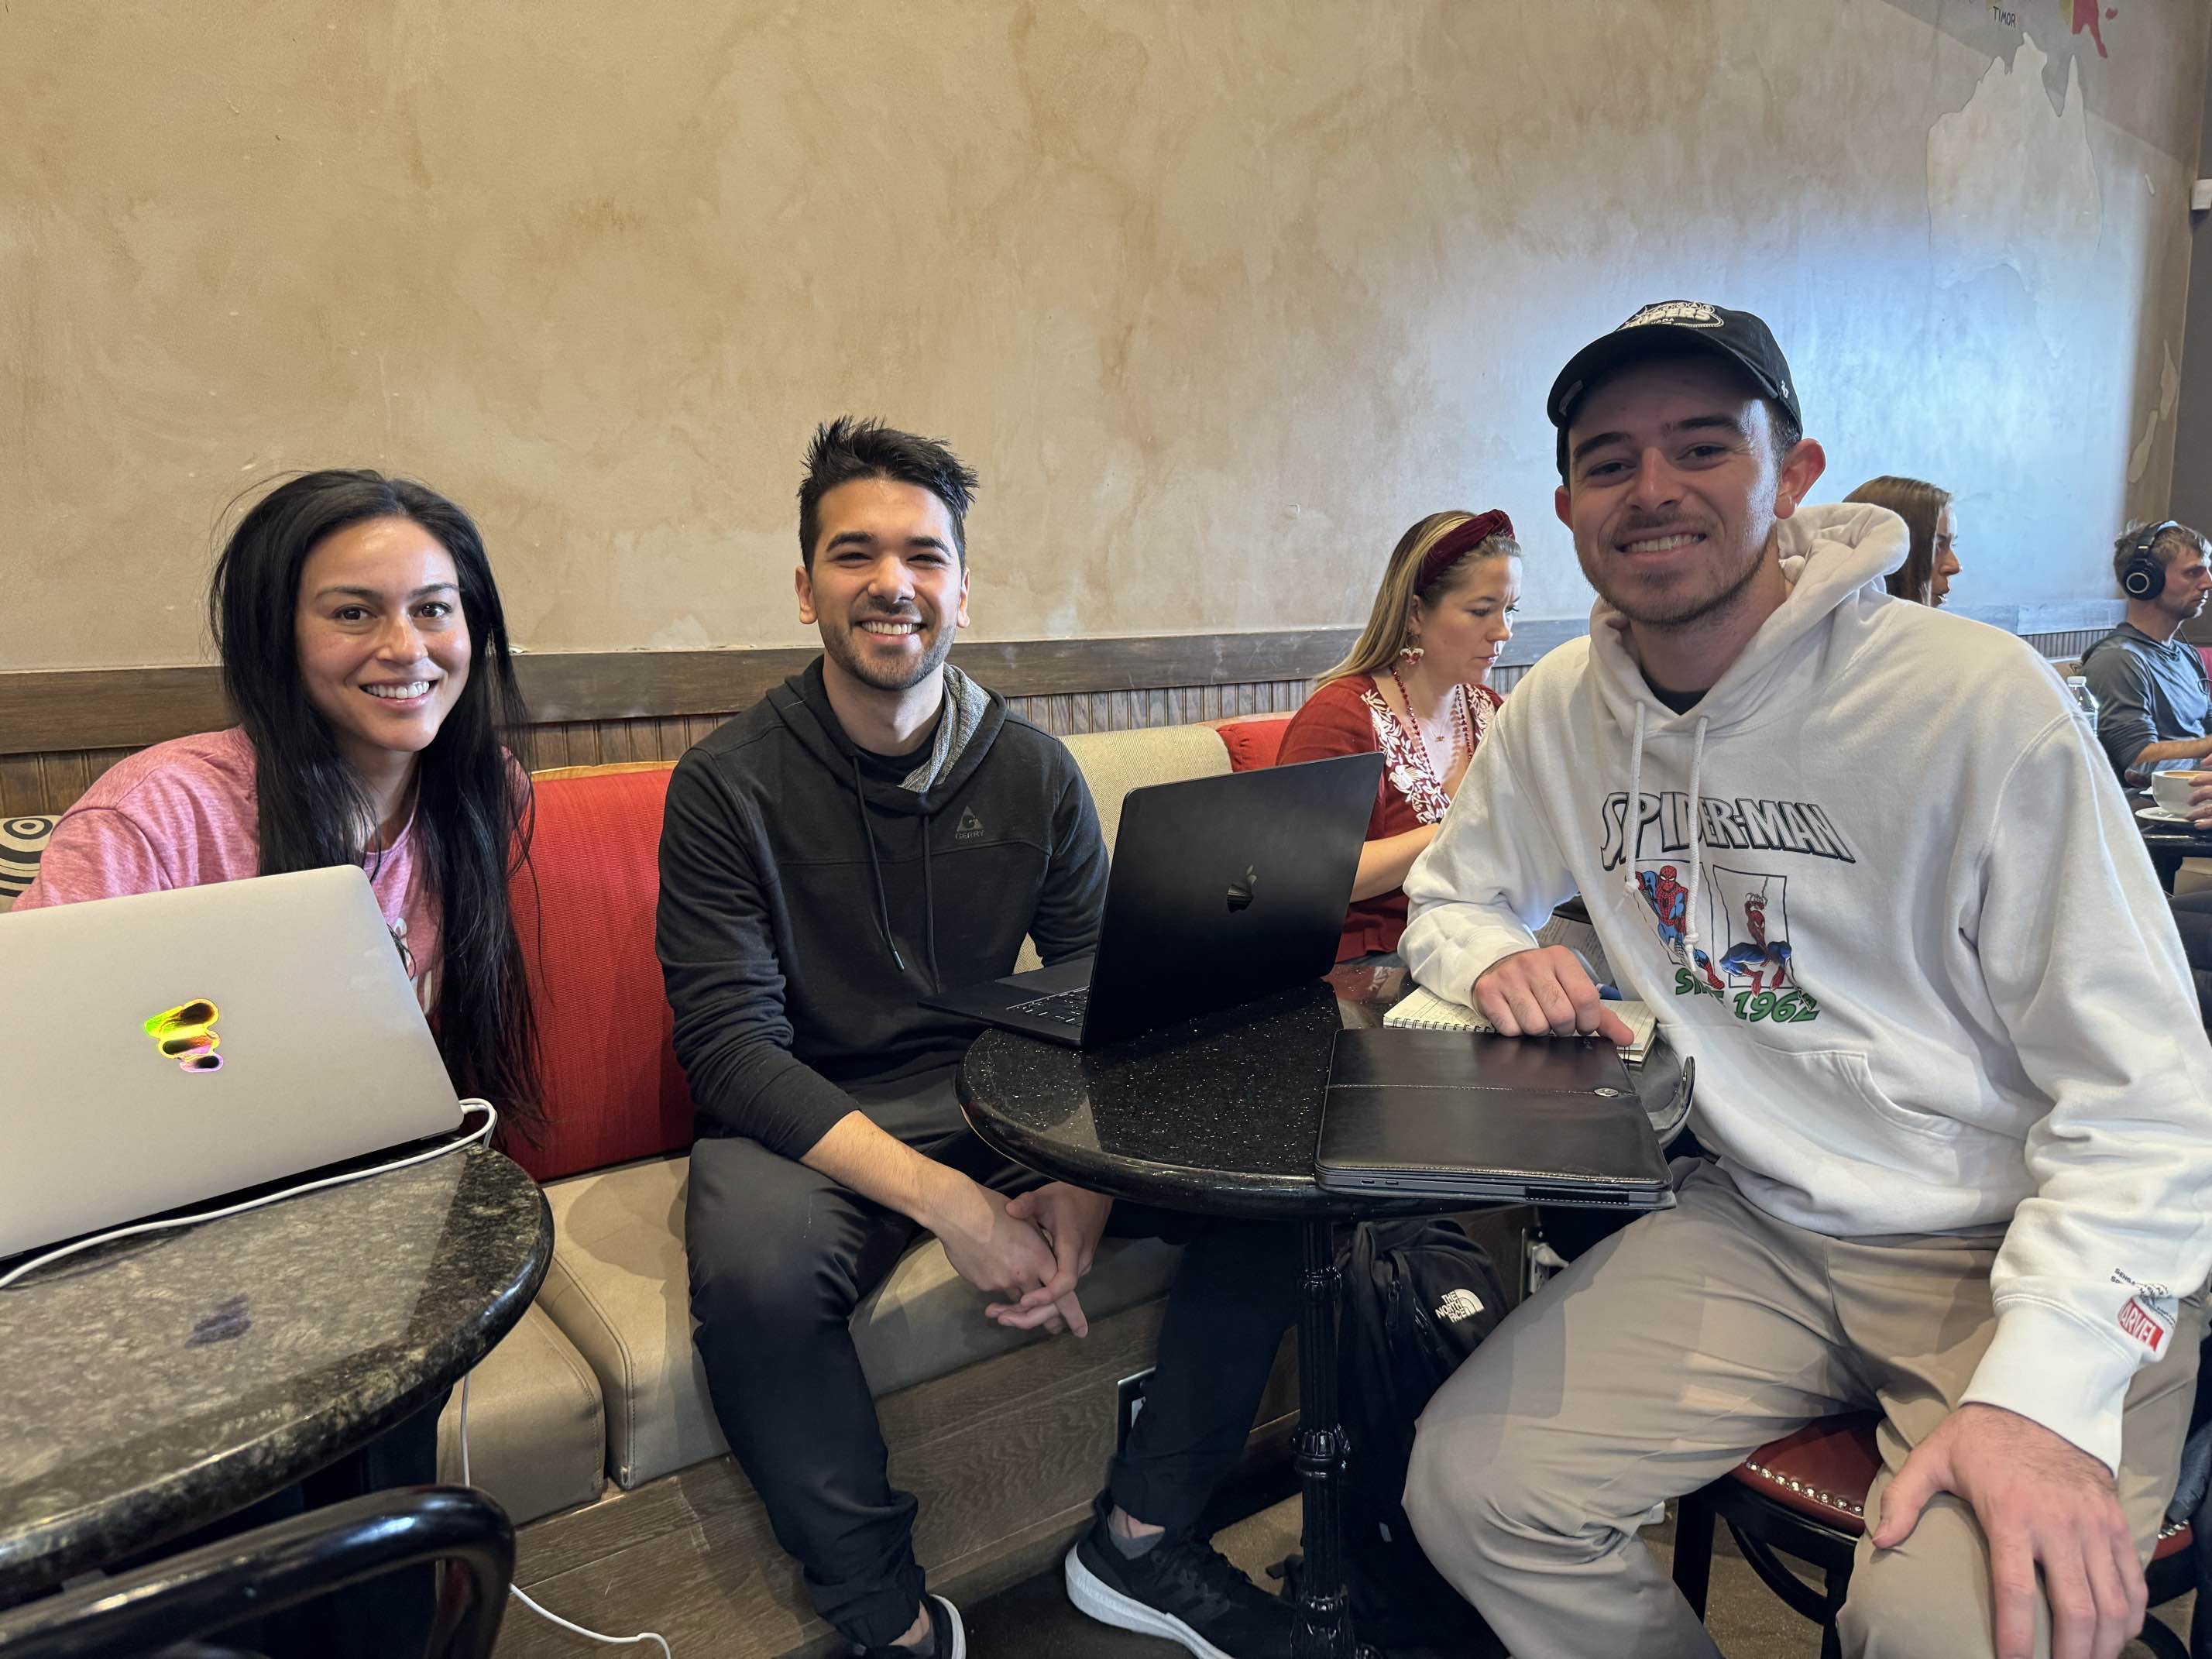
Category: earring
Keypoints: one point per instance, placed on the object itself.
(1411, 654)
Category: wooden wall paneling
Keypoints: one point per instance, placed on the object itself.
(600, 685)
(671, 740)
(61, 730)
(2093, 616)
(70, 775)
(618, 741)
(56, 711)
(1035, 667)
(550, 746)
(649, 740)
(546, 749)
(2066, 646)
(697, 728)
(52, 711)
(22, 786)
(33, 784)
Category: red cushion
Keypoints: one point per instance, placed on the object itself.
(613, 1090)
(1254, 742)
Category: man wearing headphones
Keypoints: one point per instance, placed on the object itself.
(2153, 702)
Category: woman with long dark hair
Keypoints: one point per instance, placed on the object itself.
(366, 654)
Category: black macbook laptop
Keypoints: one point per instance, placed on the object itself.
(1457, 1114)
(1222, 889)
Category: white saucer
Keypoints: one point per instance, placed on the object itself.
(2159, 815)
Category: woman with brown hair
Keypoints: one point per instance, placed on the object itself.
(1925, 575)
(1416, 688)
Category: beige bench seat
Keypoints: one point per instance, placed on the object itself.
(617, 1289)
(537, 1424)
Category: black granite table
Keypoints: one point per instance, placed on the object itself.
(1222, 1115)
(161, 1383)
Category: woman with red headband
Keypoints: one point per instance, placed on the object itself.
(1416, 687)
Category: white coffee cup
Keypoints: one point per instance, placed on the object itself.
(2171, 789)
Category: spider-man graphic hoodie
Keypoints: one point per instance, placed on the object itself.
(1880, 882)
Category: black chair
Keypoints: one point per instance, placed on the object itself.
(1804, 1497)
(189, 1600)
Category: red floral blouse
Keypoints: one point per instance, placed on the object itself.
(1349, 717)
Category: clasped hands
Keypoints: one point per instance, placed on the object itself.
(1029, 1252)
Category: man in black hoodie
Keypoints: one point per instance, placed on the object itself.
(878, 828)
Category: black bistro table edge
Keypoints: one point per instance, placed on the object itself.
(146, 1512)
(1090, 1119)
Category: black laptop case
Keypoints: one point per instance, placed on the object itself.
(1459, 1114)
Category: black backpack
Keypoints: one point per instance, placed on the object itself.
(1419, 1296)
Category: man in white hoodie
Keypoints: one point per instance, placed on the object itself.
(1869, 864)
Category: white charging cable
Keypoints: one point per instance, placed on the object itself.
(552, 1618)
(484, 1132)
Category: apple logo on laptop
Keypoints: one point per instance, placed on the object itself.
(1240, 892)
(186, 1034)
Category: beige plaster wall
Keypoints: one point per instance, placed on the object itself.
(1217, 296)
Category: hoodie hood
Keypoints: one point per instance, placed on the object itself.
(967, 726)
(802, 703)
(1834, 559)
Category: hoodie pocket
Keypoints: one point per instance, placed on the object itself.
(1844, 1074)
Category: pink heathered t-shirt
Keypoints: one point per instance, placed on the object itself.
(183, 814)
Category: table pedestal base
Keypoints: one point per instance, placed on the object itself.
(1324, 1628)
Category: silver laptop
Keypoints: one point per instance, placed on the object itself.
(171, 1047)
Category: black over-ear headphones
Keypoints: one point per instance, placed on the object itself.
(2144, 576)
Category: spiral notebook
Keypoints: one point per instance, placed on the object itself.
(1423, 1010)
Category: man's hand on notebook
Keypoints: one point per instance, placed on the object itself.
(1545, 992)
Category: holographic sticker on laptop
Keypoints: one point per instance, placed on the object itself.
(186, 1034)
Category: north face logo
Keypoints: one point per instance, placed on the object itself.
(1458, 1304)
(969, 826)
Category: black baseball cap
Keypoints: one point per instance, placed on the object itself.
(1674, 326)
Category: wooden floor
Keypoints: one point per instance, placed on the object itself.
(1004, 1456)
(1033, 1621)
(1004, 1467)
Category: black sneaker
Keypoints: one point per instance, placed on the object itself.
(1181, 1589)
(944, 1624)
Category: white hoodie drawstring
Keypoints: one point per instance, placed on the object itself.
(1631, 823)
(1697, 840)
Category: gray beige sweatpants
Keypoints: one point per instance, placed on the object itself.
(1656, 1361)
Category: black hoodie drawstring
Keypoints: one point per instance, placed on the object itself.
(875, 864)
(929, 910)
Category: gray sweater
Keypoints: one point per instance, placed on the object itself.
(2148, 691)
